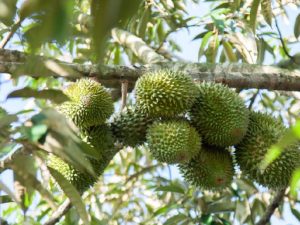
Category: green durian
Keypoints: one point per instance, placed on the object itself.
(130, 126)
(90, 104)
(263, 132)
(101, 139)
(165, 93)
(219, 115)
(173, 141)
(80, 180)
(211, 169)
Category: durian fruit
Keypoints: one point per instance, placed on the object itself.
(90, 104)
(219, 115)
(263, 132)
(211, 169)
(101, 138)
(174, 141)
(81, 181)
(130, 126)
(165, 93)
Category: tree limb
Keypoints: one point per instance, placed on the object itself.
(234, 75)
(61, 211)
(272, 207)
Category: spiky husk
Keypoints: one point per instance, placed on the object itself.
(263, 132)
(101, 138)
(81, 181)
(173, 141)
(90, 104)
(130, 126)
(211, 169)
(219, 115)
(165, 93)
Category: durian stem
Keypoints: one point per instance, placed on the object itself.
(272, 207)
(238, 75)
(60, 212)
(124, 90)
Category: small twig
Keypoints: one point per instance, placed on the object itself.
(13, 30)
(142, 171)
(124, 90)
(272, 207)
(60, 212)
(282, 42)
(252, 100)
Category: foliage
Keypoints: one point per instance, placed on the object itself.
(135, 188)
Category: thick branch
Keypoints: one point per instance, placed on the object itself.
(272, 207)
(234, 75)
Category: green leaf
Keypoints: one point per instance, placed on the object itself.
(229, 51)
(72, 194)
(253, 14)
(8, 10)
(222, 206)
(295, 182)
(212, 50)
(56, 96)
(175, 219)
(7, 120)
(266, 9)
(23, 167)
(204, 43)
(5, 199)
(297, 27)
(296, 213)
(9, 192)
(174, 187)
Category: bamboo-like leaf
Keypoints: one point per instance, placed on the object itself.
(72, 194)
(5, 199)
(204, 43)
(295, 182)
(229, 51)
(56, 96)
(7, 120)
(177, 219)
(297, 27)
(266, 9)
(212, 50)
(137, 46)
(22, 166)
(296, 213)
(253, 14)
(9, 192)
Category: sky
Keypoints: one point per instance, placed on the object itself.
(189, 53)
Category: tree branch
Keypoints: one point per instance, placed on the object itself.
(13, 30)
(61, 211)
(272, 207)
(234, 75)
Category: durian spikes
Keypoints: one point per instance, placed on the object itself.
(90, 104)
(130, 126)
(263, 132)
(219, 115)
(211, 169)
(165, 93)
(173, 141)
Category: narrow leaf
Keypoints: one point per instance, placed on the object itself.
(175, 219)
(266, 9)
(72, 194)
(295, 182)
(171, 188)
(229, 51)
(204, 43)
(296, 213)
(253, 14)
(56, 96)
(297, 27)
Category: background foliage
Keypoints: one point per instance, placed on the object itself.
(135, 189)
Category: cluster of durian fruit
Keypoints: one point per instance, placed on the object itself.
(204, 128)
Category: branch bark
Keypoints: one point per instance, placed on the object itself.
(241, 76)
(272, 207)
